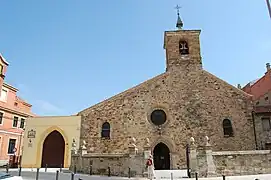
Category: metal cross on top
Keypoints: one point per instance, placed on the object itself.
(178, 9)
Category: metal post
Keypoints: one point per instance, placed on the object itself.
(37, 174)
(109, 172)
(254, 130)
(72, 176)
(171, 176)
(196, 176)
(74, 169)
(90, 170)
(20, 144)
(20, 170)
(46, 165)
(57, 174)
(60, 167)
(188, 160)
(224, 177)
(7, 168)
(129, 173)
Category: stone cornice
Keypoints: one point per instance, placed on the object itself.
(9, 87)
(20, 113)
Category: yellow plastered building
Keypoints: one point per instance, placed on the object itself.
(48, 141)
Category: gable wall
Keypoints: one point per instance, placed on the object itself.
(196, 103)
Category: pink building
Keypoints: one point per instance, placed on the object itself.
(13, 114)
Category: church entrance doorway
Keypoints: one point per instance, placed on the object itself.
(161, 157)
(53, 150)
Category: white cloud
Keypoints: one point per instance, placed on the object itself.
(23, 90)
(39, 107)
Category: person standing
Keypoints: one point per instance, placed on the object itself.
(150, 167)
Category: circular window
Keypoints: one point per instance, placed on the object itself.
(158, 117)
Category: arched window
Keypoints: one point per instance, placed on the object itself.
(227, 127)
(106, 130)
(183, 48)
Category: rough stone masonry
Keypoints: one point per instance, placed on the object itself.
(195, 103)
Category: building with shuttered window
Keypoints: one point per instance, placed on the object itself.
(13, 114)
(261, 91)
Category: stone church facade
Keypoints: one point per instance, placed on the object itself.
(185, 101)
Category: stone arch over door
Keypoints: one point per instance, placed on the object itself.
(41, 141)
(53, 150)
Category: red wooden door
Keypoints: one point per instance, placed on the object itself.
(53, 150)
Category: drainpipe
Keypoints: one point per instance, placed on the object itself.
(19, 150)
(254, 129)
(188, 161)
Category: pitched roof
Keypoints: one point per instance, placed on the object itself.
(134, 88)
(251, 83)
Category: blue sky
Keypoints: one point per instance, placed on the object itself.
(68, 55)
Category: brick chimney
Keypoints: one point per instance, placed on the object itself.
(268, 67)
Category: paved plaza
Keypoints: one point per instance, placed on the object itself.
(62, 176)
(51, 175)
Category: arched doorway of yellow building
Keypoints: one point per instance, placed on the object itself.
(53, 150)
(43, 136)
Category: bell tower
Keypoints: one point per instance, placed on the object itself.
(182, 48)
(3, 69)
